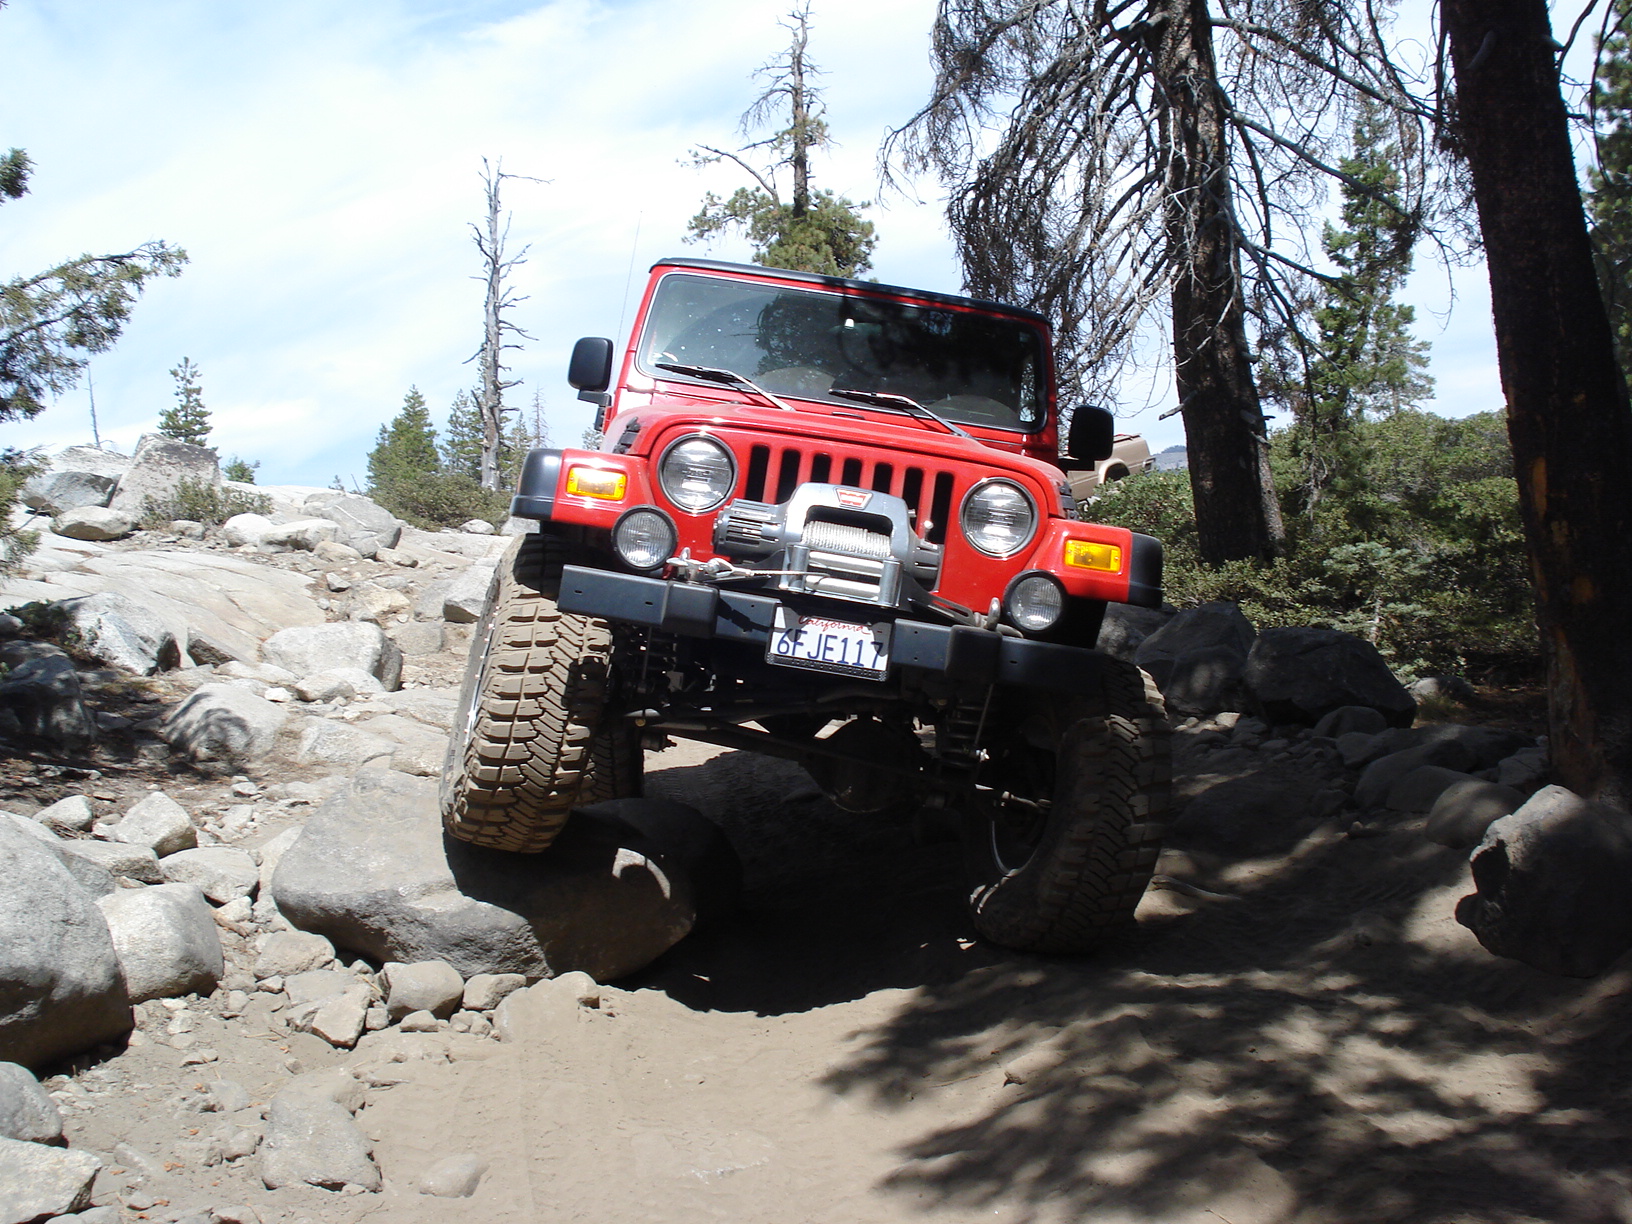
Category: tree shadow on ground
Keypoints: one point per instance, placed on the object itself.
(1325, 1045)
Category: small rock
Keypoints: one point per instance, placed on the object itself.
(1524, 770)
(27, 1112)
(336, 683)
(72, 815)
(1418, 790)
(1350, 720)
(159, 823)
(227, 1096)
(286, 953)
(119, 859)
(221, 873)
(453, 1176)
(336, 1084)
(314, 1142)
(376, 1019)
(430, 986)
(220, 722)
(166, 939)
(420, 1022)
(485, 991)
(38, 1181)
(339, 1020)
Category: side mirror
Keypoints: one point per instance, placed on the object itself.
(590, 370)
(1092, 437)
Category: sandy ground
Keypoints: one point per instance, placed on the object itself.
(1318, 1042)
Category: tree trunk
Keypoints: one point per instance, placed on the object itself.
(490, 401)
(1237, 515)
(800, 105)
(1567, 411)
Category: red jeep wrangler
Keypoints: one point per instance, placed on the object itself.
(829, 521)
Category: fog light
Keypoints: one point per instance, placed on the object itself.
(645, 539)
(596, 482)
(1035, 602)
(1089, 554)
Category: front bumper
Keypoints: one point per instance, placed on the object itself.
(958, 652)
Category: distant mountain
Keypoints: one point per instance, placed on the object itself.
(1174, 457)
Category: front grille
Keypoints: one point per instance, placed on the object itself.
(773, 475)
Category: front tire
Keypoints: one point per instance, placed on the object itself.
(536, 733)
(1065, 872)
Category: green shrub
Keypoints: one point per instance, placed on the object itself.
(15, 544)
(442, 499)
(202, 502)
(1421, 553)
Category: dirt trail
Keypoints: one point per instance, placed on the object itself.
(1319, 1041)
(1329, 1045)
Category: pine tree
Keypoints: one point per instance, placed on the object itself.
(189, 420)
(812, 231)
(405, 448)
(1367, 361)
(462, 441)
(1609, 199)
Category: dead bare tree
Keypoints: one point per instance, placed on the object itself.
(497, 265)
(1112, 158)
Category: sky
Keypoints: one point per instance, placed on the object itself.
(321, 165)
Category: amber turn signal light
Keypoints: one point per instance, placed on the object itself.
(1088, 554)
(596, 482)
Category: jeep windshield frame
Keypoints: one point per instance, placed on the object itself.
(967, 365)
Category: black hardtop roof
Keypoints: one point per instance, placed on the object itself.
(839, 282)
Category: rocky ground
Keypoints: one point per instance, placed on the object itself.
(1299, 1030)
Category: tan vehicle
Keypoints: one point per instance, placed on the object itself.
(1130, 453)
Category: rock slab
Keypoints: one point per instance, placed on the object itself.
(38, 1182)
(167, 940)
(312, 1141)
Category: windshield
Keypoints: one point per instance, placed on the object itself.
(974, 368)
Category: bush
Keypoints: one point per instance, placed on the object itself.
(1423, 552)
(442, 499)
(202, 502)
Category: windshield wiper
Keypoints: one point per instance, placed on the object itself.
(884, 399)
(729, 378)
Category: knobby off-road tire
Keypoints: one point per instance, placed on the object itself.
(1065, 880)
(534, 735)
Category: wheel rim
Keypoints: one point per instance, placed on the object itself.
(1025, 769)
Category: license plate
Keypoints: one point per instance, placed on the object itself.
(824, 644)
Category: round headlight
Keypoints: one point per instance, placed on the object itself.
(998, 517)
(645, 539)
(1035, 602)
(697, 473)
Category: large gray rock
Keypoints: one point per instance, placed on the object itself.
(1420, 789)
(123, 633)
(76, 476)
(373, 873)
(166, 939)
(1125, 628)
(312, 1141)
(222, 722)
(242, 529)
(337, 743)
(364, 525)
(39, 1182)
(27, 1112)
(71, 815)
(59, 974)
(159, 823)
(283, 954)
(158, 470)
(221, 873)
(43, 693)
(1463, 812)
(307, 650)
(1198, 657)
(93, 523)
(1551, 883)
(1301, 675)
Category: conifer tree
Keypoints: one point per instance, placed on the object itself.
(1609, 199)
(405, 448)
(462, 441)
(188, 420)
(1365, 361)
(812, 230)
